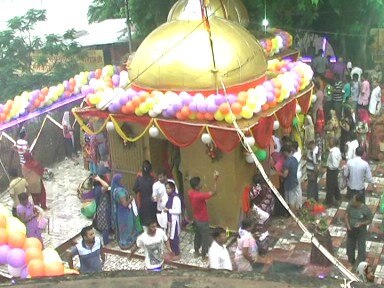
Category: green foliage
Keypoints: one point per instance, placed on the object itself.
(28, 61)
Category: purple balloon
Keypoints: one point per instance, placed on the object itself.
(186, 98)
(113, 108)
(130, 93)
(177, 106)
(211, 107)
(91, 75)
(4, 250)
(24, 272)
(170, 111)
(165, 114)
(219, 99)
(193, 106)
(85, 89)
(16, 258)
(202, 106)
(123, 100)
(270, 96)
(115, 80)
(231, 98)
(268, 85)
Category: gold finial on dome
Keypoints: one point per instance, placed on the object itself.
(233, 10)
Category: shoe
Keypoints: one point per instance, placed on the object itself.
(196, 254)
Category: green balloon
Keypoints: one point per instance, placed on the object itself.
(295, 122)
(261, 154)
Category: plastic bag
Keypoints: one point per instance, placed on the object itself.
(88, 209)
(341, 180)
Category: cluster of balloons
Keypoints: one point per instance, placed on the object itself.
(281, 40)
(84, 82)
(291, 78)
(24, 256)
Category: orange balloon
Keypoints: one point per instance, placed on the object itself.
(3, 221)
(273, 103)
(53, 269)
(130, 108)
(32, 242)
(70, 271)
(98, 73)
(144, 96)
(224, 108)
(242, 98)
(265, 107)
(124, 109)
(44, 91)
(236, 108)
(37, 103)
(72, 82)
(32, 254)
(2, 117)
(9, 103)
(200, 116)
(16, 239)
(41, 97)
(3, 236)
(36, 268)
(136, 101)
(185, 111)
(180, 116)
(277, 92)
(208, 116)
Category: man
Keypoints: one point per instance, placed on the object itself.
(290, 182)
(218, 253)
(337, 95)
(357, 172)
(17, 186)
(364, 93)
(199, 207)
(358, 71)
(358, 216)
(90, 251)
(355, 90)
(22, 146)
(375, 100)
(320, 63)
(152, 241)
(312, 170)
(298, 155)
(351, 146)
(333, 164)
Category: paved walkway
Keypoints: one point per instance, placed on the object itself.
(289, 250)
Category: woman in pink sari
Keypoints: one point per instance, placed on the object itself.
(28, 214)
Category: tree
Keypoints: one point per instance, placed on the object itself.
(28, 61)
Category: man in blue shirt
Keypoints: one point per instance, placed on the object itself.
(90, 251)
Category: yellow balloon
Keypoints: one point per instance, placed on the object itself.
(247, 112)
(4, 211)
(50, 255)
(192, 116)
(15, 225)
(229, 118)
(138, 112)
(218, 116)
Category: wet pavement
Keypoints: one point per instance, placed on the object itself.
(289, 250)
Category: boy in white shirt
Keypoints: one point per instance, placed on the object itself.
(218, 254)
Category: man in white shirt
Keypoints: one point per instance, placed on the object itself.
(352, 144)
(375, 100)
(218, 254)
(333, 164)
(152, 241)
(358, 71)
(357, 172)
(160, 196)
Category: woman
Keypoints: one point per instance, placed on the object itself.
(309, 129)
(143, 187)
(332, 128)
(33, 173)
(68, 137)
(102, 219)
(124, 212)
(173, 208)
(365, 272)
(28, 214)
(246, 251)
(347, 125)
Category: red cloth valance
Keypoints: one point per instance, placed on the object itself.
(179, 134)
(286, 114)
(262, 132)
(305, 101)
(225, 140)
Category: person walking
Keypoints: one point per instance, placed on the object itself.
(333, 164)
(17, 186)
(90, 251)
(152, 241)
(358, 216)
(218, 254)
(357, 172)
(198, 200)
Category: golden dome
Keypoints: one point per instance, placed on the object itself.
(233, 10)
(177, 56)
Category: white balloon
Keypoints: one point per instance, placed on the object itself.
(157, 109)
(154, 132)
(298, 108)
(250, 140)
(276, 125)
(152, 113)
(206, 138)
(314, 98)
(249, 158)
(110, 126)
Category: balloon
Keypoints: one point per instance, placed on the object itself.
(14, 271)
(206, 138)
(218, 116)
(53, 269)
(276, 125)
(68, 271)
(3, 236)
(201, 106)
(153, 131)
(219, 99)
(250, 140)
(236, 108)
(36, 268)
(33, 253)
(231, 98)
(32, 242)
(248, 158)
(247, 112)
(51, 255)
(224, 108)
(242, 98)
(16, 239)
(3, 221)
(229, 118)
(295, 122)
(186, 98)
(24, 272)
(16, 258)
(261, 154)
(4, 250)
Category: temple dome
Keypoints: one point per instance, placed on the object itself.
(177, 56)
